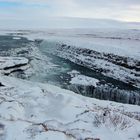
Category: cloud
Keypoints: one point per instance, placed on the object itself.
(40, 10)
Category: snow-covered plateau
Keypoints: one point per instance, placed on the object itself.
(36, 66)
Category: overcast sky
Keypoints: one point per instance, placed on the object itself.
(30, 10)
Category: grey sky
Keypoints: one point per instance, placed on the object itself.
(40, 10)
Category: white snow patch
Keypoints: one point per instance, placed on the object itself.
(24, 106)
(16, 38)
(6, 62)
(84, 80)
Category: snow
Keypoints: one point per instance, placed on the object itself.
(32, 110)
(123, 42)
(108, 66)
(8, 62)
(25, 105)
(36, 111)
(79, 79)
(11, 65)
(16, 38)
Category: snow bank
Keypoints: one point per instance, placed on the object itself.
(41, 111)
(79, 79)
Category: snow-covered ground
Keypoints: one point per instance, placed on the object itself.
(38, 111)
(79, 79)
(32, 110)
(9, 62)
(10, 65)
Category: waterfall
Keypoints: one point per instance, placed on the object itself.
(105, 92)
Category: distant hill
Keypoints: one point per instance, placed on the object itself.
(65, 22)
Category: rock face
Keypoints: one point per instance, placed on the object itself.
(105, 92)
(2, 131)
(1, 84)
(92, 87)
(10, 65)
(12, 62)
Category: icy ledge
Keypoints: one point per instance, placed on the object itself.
(35, 111)
(11, 62)
(12, 65)
(79, 79)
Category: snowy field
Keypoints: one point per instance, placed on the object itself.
(119, 45)
(124, 42)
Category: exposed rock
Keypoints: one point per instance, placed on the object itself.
(12, 65)
(2, 132)
(1, 85)
(12, 62)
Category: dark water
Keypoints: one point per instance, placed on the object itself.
(7, 42)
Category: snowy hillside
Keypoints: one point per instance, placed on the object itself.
(42, 111)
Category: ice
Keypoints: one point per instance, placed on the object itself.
(84, 80)
(30, 108)
(16, 38)
(9, 62)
